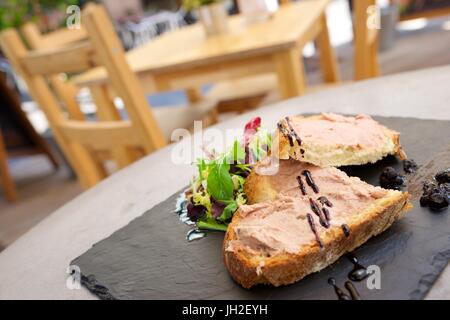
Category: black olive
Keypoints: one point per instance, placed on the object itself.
(391, 179)
(443, 176)
(445, 187)
(430, 186)
(424, 201)
(438, 201)
(399, 180)
(389, 173)
(409, 166)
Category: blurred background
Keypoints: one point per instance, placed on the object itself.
(36, 176)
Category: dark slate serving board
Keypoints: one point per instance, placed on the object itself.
(151, 259)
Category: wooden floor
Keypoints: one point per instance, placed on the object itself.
(42, 191)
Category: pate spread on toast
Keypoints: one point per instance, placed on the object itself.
(334, 140)
(303, 219)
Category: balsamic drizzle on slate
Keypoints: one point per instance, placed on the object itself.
(346, 230)
(354, 294)
(310, 181)
(352, 289)
(301, 185)
(339, 292)
(359, 272)
(312, 225)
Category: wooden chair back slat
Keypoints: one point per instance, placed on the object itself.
(76, 58)
(124, 82)
(79, 157)
(5, 176)
(55, 39)
(366, 41)
(106, 110)
(98, 136)
(66, 91)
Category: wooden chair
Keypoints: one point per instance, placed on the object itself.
(365, 41)
(57, 39)
(240, 95)
(169, 117)
(243, 94)
(18, 137)
(5, 177)
(247, 93)
(84, 141)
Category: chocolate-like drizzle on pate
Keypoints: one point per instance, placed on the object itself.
(346, 230)
(312, 225)
(289, 132)
(314, 207)
(324, 201)
(292, 131)
(301, 185)
(326, 213)
(323, 213)
(310, 181)
(359, 272)
(286, 133)
(322, 218)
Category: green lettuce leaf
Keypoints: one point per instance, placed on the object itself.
(228, 211)
(219, 183)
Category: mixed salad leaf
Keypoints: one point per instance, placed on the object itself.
(218, 190)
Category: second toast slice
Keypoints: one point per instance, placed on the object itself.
(303, 219)
(332, 140)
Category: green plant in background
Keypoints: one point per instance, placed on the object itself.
(14, 13)
(195, 4)
(403, 5)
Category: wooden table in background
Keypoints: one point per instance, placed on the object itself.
(186, 58)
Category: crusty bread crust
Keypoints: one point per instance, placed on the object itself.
(339, 155)
(249, 269)
(258, 188)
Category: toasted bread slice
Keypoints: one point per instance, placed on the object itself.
(273, 242)
(331, 140)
